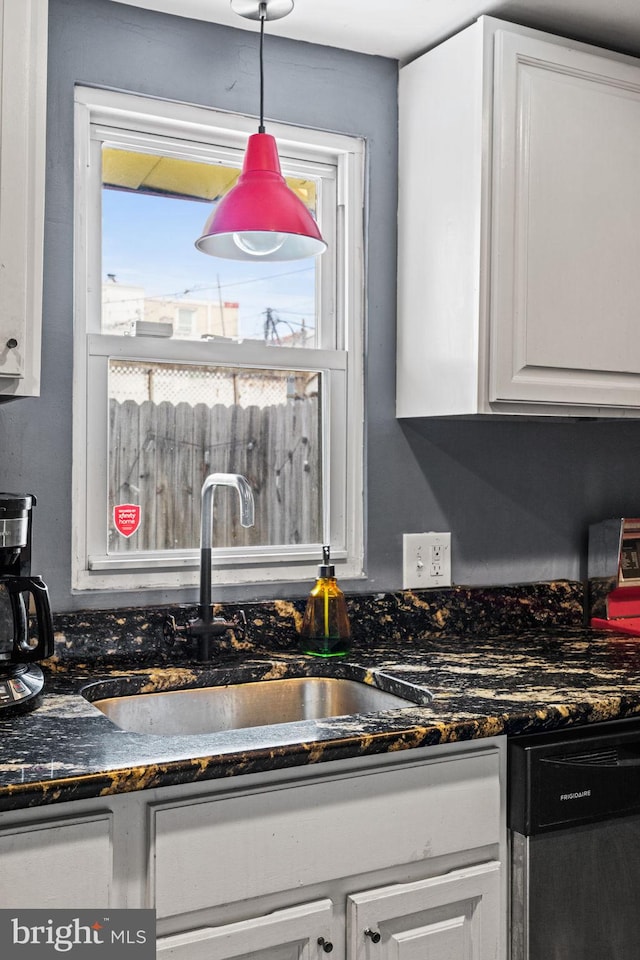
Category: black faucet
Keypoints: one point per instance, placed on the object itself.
(205, 627)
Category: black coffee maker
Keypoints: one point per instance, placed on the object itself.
(23, 638)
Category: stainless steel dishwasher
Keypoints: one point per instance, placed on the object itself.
(574, 818)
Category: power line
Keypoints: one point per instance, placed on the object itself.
(197, 289)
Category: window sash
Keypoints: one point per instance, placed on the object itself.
(333, 366)
(330, 334)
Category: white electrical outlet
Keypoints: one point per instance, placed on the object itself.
(426, 560)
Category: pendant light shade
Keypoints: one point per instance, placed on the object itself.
(261, 218)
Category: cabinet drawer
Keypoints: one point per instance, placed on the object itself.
(57, 863)
(220, 850)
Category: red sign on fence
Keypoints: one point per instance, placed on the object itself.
(126, 518)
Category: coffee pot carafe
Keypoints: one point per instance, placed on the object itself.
(24, 638)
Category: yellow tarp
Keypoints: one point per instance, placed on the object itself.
(150, 173)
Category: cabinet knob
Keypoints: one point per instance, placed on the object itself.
(373, 935)
(12, 343)
(326, 945)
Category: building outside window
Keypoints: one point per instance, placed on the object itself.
(187, 365)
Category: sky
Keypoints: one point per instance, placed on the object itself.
(149, 241)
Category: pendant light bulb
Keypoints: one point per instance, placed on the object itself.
(261, 218)
(259, 243)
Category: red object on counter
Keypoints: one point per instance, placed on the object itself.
(630, 625)
(623, 602)
(623, 612)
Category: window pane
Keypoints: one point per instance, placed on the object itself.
(155, 282)
(173, 424)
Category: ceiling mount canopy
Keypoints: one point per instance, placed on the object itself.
(252, 9)
(261, 218)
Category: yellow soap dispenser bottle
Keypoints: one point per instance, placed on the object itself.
(325, 628)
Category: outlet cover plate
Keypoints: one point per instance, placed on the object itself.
(426, 560)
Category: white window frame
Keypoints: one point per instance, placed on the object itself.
(105, 115)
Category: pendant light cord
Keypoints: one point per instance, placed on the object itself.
(263, 17)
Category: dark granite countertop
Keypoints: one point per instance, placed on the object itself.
(536, 680)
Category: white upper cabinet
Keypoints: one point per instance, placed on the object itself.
(519, 228)
(23, 73)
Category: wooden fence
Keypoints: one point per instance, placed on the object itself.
(160, 454)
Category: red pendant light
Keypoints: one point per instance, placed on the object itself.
(261, 218)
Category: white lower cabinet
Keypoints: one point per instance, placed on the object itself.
(395, 858)
(450, 917)
(399, 856)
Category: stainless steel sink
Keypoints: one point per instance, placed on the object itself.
(236, 706)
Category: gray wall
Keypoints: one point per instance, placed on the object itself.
(516, 495)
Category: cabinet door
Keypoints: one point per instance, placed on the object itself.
(23, 68)
(565, 248)
(304, 932)
(451, 917)
(57, 863)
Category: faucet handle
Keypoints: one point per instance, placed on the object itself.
(170, 629)
(240, 623)
(204, 630)
(219, 625)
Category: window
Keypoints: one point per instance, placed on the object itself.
(187, 365)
